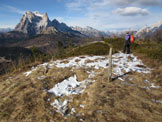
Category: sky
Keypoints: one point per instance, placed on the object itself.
(100, 14)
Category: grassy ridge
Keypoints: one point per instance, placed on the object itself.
(91, 49)
(151, 50)
(34, 56)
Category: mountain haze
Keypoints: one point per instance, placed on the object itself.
(5, 30)
(91, 32)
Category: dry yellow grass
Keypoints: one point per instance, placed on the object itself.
(24, 99)
(114, 102)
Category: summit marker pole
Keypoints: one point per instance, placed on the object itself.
(110, 66)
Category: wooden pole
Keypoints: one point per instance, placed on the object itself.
(110, 66)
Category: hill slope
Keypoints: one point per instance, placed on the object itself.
(76, 89)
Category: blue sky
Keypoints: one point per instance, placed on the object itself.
(100, 14)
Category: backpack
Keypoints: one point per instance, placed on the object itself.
(132, 38)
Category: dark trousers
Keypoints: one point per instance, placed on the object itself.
(126, 46)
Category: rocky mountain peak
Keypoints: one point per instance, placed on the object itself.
(36, 23)
(28, 13)
(62, 27)
(55, 22)
(45, 16)
(37, 13)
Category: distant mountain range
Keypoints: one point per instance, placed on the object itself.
(33, 23)
(145, 31)
(91, 32)
(35, 29)
(5, 30)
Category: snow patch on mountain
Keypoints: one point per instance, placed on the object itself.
(37, 13)
(156, 26)
(91, 32)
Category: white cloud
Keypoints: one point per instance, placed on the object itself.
(131, 11)
(7, 26)
(138, 2)
(75, 5)
(98, 13)
(79, 4)
(14, 9)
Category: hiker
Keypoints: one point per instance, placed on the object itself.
(127, 43)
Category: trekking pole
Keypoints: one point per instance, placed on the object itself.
(110, 66)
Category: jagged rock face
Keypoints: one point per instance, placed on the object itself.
(62, 27)
(149, 30)
(35, 23)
